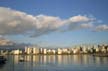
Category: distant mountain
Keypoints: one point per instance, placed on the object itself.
(6, 42)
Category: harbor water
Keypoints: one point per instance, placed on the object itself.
(55, 63)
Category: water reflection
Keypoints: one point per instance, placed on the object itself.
(54, 63)
(101, 60)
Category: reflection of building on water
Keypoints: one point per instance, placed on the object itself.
(34, 61)
(79, 59)
(16, 58)
(97, 60)
(28, 58)
(85, 59)
(101, 60)
(65, 59)
(59, 59)
(45, 59)
(36, 58)
(41, 59)
(76, 59)
(42, 62)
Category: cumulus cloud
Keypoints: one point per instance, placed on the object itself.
(102, 28)
(80, 18)
(86, 25)
(14, 22)
(79, 22)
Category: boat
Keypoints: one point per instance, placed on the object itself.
(2, 59)
(21, 59)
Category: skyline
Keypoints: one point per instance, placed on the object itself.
(54, 23)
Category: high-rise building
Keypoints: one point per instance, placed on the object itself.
(59, 51)
(35, 50)
(45, 51)
(28, 50)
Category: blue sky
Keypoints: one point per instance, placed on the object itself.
(64, 9)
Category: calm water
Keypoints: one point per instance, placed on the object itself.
(55, 63)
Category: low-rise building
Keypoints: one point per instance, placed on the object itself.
(16, 52)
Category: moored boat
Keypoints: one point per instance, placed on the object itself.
(21, 59)
(2, 59)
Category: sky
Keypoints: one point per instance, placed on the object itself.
(54, 22)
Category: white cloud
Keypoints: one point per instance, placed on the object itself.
(50, 22)
(14, 22)
(86, 25)
(80, 18)
(102, 28)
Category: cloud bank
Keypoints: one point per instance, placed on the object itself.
(102, 28)
(14, 22)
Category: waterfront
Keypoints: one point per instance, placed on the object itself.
(55, 63)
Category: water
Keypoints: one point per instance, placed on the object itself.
(55, 63)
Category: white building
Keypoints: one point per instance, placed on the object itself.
(103, 50)
(45, 51)
(85, 50)
(16, 52)
(28, 50)
(35, 50)
(59, 51)
(54, 51)
(75, 51)
(97, 50)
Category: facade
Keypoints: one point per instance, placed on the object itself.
(35, 50)
(44, 51)
(16, 52)
(74, 50)
(59, 51)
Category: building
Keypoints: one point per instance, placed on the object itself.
(35, 50)
(45, 51)
(16, 52)
(59, 51)
(28, 50)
